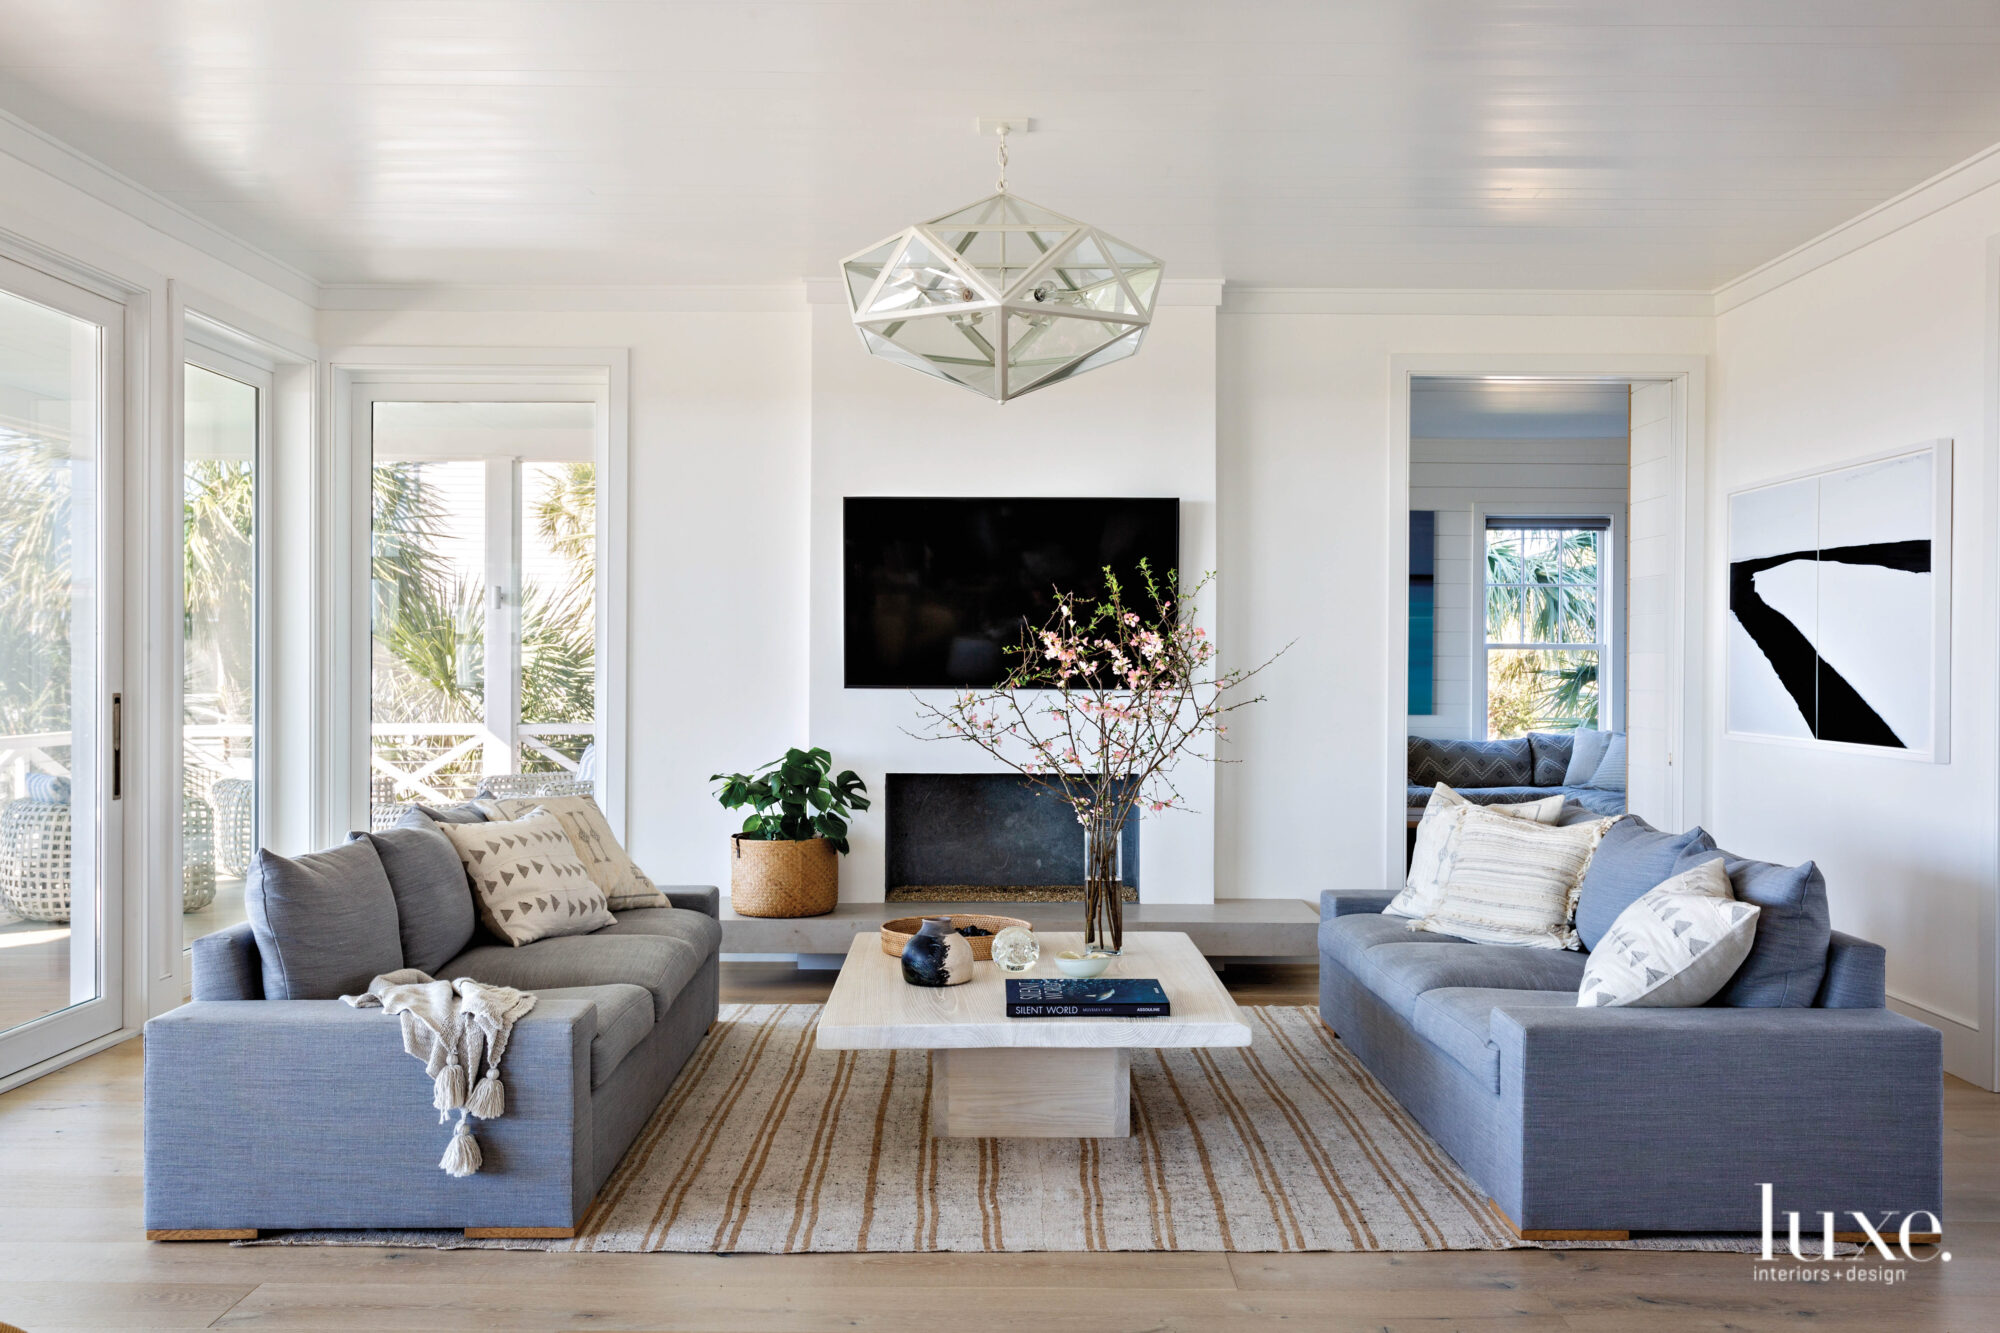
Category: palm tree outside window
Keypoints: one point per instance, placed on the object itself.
(1547, 634)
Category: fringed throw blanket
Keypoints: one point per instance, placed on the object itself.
(455, 1028)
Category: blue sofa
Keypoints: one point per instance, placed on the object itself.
(1621, 1120)
(306, 1113)
(1524, 768)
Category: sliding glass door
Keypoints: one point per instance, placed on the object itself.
(61, 781)
(483, 600)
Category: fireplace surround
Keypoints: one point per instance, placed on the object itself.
(990, 837)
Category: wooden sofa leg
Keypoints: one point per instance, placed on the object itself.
(205, 1233)
(1501, 1213)
(1916, 1237)
(520, 1233)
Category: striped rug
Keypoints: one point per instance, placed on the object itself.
(768, 1144)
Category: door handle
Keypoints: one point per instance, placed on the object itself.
(117, 747)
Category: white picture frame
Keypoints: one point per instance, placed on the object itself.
(1849, 653)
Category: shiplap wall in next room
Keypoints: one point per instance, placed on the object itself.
(1527, 476)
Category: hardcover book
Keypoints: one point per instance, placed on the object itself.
(1098, 997)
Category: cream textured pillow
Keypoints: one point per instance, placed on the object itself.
(1513, 881)
(1676, 946)
(624, 884)
(527, 880)
(1437, 834)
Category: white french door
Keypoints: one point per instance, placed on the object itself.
(62, 772)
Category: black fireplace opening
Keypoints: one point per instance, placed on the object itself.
(991, 837)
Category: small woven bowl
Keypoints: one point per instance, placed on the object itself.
(896, 934)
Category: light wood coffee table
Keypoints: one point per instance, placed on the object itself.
(1001, 1077)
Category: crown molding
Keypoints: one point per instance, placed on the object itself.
(51, 156)
(560, 298)
(1467, 301)
(1173, 291)
(1948, 187)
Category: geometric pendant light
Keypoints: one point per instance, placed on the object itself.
(1003, 296)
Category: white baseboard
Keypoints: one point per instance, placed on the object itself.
(69, 1057)
(1968, 1052)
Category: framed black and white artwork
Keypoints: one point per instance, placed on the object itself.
(1840, 606)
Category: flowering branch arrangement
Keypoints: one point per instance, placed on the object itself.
(1099, 706)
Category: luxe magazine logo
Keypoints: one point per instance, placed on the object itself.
(1918, 1230)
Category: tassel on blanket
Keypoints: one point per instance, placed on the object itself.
(461, 1158)
(488, 1100)
(448, 1091)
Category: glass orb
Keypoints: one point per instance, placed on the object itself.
(1015, 949)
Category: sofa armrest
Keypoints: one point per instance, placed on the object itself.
(703, 898)
(1856, 975)
(227, 966)
(1657, 1114)
(1348, 902)
(308, 1113)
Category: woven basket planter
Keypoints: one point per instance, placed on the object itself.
(783, 878)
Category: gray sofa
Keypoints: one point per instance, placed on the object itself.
(1621, 1120)
(306, 1113)
(1525, 768)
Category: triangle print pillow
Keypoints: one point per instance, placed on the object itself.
(1676, 947)
(527, 879)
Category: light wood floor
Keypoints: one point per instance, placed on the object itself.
(70, 1257)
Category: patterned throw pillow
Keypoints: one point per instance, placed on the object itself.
(1437, 835)
(527, 880)
(1513, 881)
(1677, 946)
(624, 884)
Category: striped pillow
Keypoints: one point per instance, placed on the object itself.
(1516, 882)
(1437, 835)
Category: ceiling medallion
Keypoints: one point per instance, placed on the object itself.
(1003, 296)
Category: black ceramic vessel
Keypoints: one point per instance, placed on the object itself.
(937, 955)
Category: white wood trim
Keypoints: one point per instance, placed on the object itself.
(1687, 375)
(359, 375)
(1250, 300)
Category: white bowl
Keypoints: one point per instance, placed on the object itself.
(1083, 965)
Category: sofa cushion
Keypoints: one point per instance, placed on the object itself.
(527, 880)
(1550, 751)
(1399, 973)
(1674, 948)
(468, 813)
(433, 902)
(325, 922)
(1515, 882)
(1462, 764)
(1788, 957)
(1437, 837)
(1632, 859)
(1596, 800)
(1586, 753)
(1508, 795)
(662, 962)
(609, 867)
(1610, 774)
(1458, 1020)
(698, 928)
(624, 1017)
(1347, 939)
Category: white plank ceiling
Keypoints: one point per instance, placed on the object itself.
(1671, 144)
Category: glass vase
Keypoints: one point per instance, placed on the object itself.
(1103, 894)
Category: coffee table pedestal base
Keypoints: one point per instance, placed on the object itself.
(1026, 1092)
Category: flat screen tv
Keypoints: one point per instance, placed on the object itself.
(936, 589)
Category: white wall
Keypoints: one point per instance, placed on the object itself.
(1141, 427)
(1887, 346)
(716, 513)
(1306, 520)
(1521, 476)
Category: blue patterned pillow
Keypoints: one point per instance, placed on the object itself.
(1463, 764)
(1551, 750)
(1610, 774)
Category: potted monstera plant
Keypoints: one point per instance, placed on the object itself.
(785, 862)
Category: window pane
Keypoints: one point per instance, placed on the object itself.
(1539, 690)
(219, 649)
(1503, 615)
(429, 611)
(49, 685)
(1577, 561)
(1561, 613)
(558, 526)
